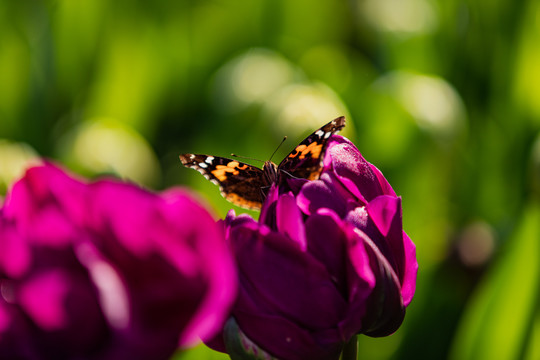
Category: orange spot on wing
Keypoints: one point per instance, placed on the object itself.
(240, 201)
(314, 149)
(314, 175)
(232, 167)
(297, 151)
(221, 172)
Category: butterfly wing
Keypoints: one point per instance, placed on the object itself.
(239, 183)
(305, 160)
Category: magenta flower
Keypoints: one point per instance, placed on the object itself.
(327, 260)
(107, 270)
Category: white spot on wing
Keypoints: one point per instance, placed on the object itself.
(327, 135)
(209, 160)
(203, 165)
(319, 133)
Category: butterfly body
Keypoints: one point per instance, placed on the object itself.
(245, 185)
(270, 173)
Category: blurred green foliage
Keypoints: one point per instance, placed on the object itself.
(443, 96)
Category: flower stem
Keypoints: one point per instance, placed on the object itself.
(350, 351)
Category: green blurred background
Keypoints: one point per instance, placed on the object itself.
(442, 96)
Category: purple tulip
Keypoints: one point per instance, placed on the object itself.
(327, 260)
(107, 270)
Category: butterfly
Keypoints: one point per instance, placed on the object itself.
(244, 184)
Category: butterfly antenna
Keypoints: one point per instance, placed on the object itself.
(246, 157)
(291, 175)
(281, 143)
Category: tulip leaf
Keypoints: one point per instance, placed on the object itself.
(497, 323)
(533, 350)
(200, 352)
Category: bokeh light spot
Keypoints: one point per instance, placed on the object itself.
(400, 17)
(105, 145)
(298, 107)
(432, 102)
(476, 244)
(15, 157)
(251, 78)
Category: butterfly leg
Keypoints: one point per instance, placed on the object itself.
(264, 192)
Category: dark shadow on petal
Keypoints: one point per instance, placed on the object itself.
(386, 304)
(327, 243)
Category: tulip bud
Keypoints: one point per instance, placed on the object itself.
(328, 259)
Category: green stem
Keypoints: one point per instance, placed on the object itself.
(350, 351)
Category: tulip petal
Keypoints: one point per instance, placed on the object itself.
(52, 228)
(41, 185)
(360, 262)
(241, 220)
(286, 339)
(357, 216)
(277, 277)
(15, 255)
(131, 210)
(15, 333)
(385, 185)
(43, 298)
(151, 230)
(327, 243)
(354, 172)
(360, 282)
(387, 309)
(268, 211)
(323, 193)
(385, 211)
(408, 285)
(289, 220)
